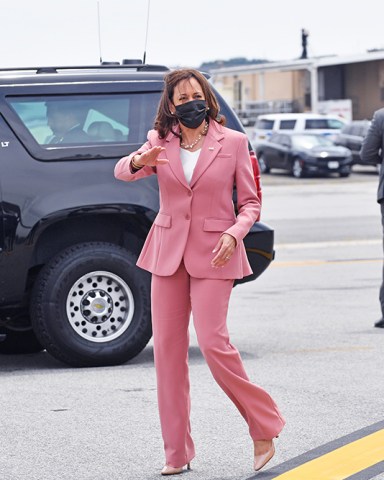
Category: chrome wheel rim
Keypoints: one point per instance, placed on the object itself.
(100, 306)
(262, 165)
(297, 169)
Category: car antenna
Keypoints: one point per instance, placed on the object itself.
(146, 32)
(99, 31)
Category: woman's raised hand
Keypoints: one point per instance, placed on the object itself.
(150, 158)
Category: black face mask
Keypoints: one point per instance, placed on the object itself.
(192, 114)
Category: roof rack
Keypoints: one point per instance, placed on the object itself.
(104, 66)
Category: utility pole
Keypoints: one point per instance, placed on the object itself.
(304, 36)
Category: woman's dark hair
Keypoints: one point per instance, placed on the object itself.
(165, 120)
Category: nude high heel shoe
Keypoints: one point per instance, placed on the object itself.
(168, 470)
(261, 460)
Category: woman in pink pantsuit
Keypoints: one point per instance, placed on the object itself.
(194, 251)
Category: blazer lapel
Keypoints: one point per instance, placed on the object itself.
(209, 151)
(172, 150)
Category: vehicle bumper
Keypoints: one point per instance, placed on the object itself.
(365, 164)
(259, 247)
(328, 166)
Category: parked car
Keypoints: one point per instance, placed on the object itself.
(352, 136)
(70, 233)
(302, 154)
(266, 125)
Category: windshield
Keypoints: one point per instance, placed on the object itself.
(310, 141)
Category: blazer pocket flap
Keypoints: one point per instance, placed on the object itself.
(163, 220)
(217, 224)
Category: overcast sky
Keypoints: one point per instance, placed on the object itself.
(58, 32)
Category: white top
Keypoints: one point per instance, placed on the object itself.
(188, 161)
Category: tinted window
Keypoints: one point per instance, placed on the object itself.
(87, 119)
(281, 139)
(287, 124)
(264, 124)
(316, 123)
(347, 129)
(357, 129)
(360, 128)
(334, 124)
(323, 123)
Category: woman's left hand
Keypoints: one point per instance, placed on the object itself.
(224, 248)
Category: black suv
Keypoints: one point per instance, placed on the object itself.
(70, 233)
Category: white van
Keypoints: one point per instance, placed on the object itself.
(329, 125)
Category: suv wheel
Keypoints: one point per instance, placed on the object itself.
(19, 342)
(345, 173)
(297, 168)
(90, 305)
(262, 165)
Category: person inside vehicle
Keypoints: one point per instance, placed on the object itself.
(65, 119)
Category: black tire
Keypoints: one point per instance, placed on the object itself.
(346, 172)
(297, 168)
(262, 165)
(90, 306)
(19, 342)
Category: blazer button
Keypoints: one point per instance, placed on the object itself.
(189, 193)
(187, 216)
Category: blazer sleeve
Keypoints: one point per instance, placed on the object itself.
(123, 167)
(373, 141)
(248, 203)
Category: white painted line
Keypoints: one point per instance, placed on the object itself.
(336, 243)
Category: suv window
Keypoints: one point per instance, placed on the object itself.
(265, 124)
(287, 124)
(313, 124)
(89, 119)
(323, 123)
(334, 124)
(347, 130)
(356, 129)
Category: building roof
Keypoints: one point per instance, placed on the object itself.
(301, 64)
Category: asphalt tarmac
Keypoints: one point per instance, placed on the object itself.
(304, 330)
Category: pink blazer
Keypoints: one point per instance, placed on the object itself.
(192, 217)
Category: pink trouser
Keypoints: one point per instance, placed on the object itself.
(173, 298)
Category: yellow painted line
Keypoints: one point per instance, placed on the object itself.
(342, 462)
(263, 253)
(304, 263)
